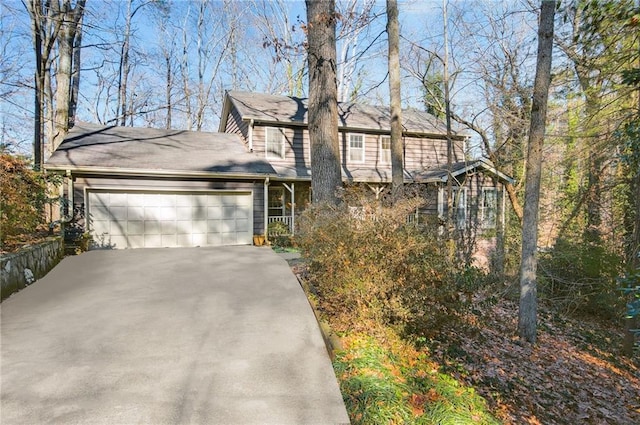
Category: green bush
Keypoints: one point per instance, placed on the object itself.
(373, 268)
(22, 198)
(581, 278)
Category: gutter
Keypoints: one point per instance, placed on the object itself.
(136, 172)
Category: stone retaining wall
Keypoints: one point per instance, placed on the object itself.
(22, 268)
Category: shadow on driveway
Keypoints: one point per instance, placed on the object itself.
(166, 336)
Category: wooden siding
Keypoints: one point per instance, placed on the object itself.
(420, 153)
(257, 187)
(235, 124)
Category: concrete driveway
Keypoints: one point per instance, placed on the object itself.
(166, 336)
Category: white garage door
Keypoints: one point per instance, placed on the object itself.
(154, 219)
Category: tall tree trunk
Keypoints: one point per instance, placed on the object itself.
(75, 77)
(527, 317)
(397, 161)
(323, 101)
(66, 43)
(451, 213)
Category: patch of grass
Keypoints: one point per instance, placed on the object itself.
(391, 382)
(283, 249)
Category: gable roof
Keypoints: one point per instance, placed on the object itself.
(440, 174)
(290, 110)
(92, 147)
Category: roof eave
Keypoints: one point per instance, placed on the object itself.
(135, 172)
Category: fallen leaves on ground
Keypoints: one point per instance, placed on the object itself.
(572, 375)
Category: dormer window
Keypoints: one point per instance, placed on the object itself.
(356, 147)
(274, 143)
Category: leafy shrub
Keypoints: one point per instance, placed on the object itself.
(22, 198)
(581, 278)
(372, 268)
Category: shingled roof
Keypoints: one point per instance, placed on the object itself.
(290, 110)
(89, 146)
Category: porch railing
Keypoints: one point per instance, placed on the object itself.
(284, 229)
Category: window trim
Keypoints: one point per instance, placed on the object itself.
(442, 206)
(382, 150)
(483, 210)
(364, 144)
(268, 153)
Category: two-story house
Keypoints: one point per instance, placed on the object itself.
(275, 128)
(141, 187)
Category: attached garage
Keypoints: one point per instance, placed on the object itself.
(153, 219)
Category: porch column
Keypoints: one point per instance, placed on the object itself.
(69, 196)
(266, 209)
(292, 192)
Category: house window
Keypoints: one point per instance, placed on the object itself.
(385, 149)
(274, 143)
(459, 195)
(356, 147)
(489, 207)
(276, 201)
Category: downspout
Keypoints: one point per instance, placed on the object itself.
(266, 209)
(250, 136)
(70, 195)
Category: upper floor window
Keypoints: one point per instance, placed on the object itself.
(274, 143)
(489, 207)
(385, 149)
(356, 147)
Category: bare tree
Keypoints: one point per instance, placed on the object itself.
(527, 316)
(323, 101)
(53, 22)
(397, 162)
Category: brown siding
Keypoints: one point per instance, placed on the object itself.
(420, 153)
(236, 125)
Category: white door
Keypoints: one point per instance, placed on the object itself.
(154, 219)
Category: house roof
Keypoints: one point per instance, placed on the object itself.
(431, 175)
(276, 109)
(440, 174)
(89, 146)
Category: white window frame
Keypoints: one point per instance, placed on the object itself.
(461, 215)
(269, 133)
(484, 208)
(385, 159)
(357, 161)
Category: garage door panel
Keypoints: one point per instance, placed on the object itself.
(139, 219)
(136, 241)
(184, 213)
(214, 212)
(99, 213)
(168, 227)
(214, 239)
(243, 213)
(214, 226)
(153, 241)
(199, 239)
(213, 200)
(242, 224)
(118, 200)
(170, 241)
(118, 213)
(152, 227)
(199, 226)
(184, 227)
(229, 211)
